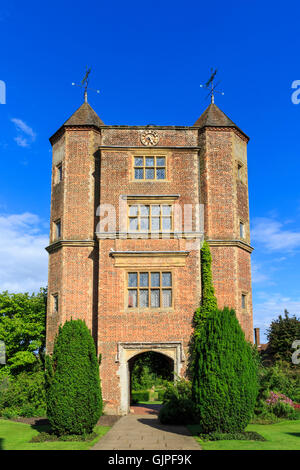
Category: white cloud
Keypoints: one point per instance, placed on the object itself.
(22, 126)
(26, 134)
(257, 275)
(273, 236)
(23, 258)
(21, 141)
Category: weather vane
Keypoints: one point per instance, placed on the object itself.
(209, 85)
(84, 84)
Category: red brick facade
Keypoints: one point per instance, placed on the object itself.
(88, 267)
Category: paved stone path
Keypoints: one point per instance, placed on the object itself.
(146, 409)
(144, 432)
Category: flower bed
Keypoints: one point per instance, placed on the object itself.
(276, 397)
(282, 406)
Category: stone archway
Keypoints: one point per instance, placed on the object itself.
(160, 364)
(126, 351)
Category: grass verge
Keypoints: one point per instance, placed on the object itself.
(155, 402)
(284, 435)
(16, 436)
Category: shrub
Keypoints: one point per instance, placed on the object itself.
(74, 402)
(282, 378)
(286, 382)
(47, 437)
(274, 398)
(9, 413)
(237, 436)
(178, 407)
(161, 394)
(140, 395)
(281, 406)
(273, 405)
(225, 383)
(29, 411)
(282, 409)
(266, 417)
(24, 394)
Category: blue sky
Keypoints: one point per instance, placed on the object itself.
(148, 59)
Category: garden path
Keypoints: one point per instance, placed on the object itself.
(144, 432)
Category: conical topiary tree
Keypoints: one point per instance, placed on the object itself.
(225, 382)
(74, 401)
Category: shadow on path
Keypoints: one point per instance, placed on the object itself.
(145, 409)
(171, 428)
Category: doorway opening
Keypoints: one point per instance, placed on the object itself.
(149, 374)
(129, 350)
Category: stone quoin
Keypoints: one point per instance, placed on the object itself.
(138, 293)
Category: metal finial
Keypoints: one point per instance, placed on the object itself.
(84, 84)
(209, 85)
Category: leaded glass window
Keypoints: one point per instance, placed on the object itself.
(149, 289)
(152, 217)
(150, 168)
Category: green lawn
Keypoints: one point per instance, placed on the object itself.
(284, 435)
(155, 402)
(16, 436)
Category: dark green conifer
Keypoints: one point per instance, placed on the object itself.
(74, 401)
(225, 382)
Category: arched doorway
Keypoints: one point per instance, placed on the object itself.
(126, 351)
(148, 373)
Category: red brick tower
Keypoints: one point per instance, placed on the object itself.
(138, 292)
(73, 260)
(224, 192)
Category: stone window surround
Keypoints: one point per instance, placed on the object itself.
(149, 288)
(55, 302)
(150, 216)
(149, 152)
(57, 229)
(58, 173)
(242, 229)
(144, 156)
(244, 298)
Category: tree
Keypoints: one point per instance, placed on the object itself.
(225, 384)
(73, 393)
(22, 328)
(281, 334)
